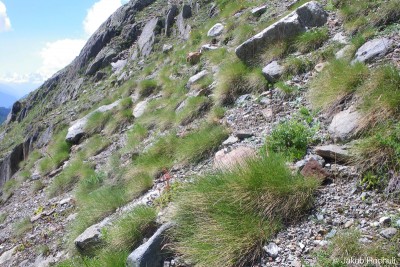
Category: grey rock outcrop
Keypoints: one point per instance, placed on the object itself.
(77, 130)
(307, 16)
(150, 253)
(373, 49)
(170, 18)
(183, 28)
(273, 71)
(344, 124)
(12, 116)
(9, 165)
(148, 36)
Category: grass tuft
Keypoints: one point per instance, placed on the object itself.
(336, 81)
(224, 219)
(57, 153)
(312, 39)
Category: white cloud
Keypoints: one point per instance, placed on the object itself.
(58, 54)
(5, 23)
(98, 13)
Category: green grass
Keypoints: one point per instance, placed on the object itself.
(191, 148)
(28, 165)
(287, 89)
(94, 206)
(379, 150)
(104, 259)
(311, 40)
(297, 65)
(64, 182)
(235, 79)
(381, 94)
(57, 152)
(8, 189)
(135, 136)
(291, 137)
(22, 226)
(336, 81)
(37, 186)
(194, 108)
(93, 146)
(127, 232)
(3, 217)
(147, 87)
(359, 15)
(346, 245)
(224, 219)
(97, 121)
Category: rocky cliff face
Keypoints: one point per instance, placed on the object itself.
(161, 143)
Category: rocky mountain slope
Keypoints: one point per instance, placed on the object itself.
(212, 133)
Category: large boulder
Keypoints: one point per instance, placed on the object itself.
(148, 37)
(373, 49)
(273, 71)
(151, 252)
(307, 16)
(344, 124)
(77, 130)
(12, 116)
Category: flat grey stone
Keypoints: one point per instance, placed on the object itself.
(373, 49)
(333, 152)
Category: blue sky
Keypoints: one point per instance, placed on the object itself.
(38, 38)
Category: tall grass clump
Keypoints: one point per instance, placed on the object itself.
(129, 231)
(97, 121)
(57, 152)
(311, 39)
(194, 108)
(105, 259)
(235, 79)
(336, 81)
(223, 219)
(135, 136)
(381, 94)
(75, 171)
(147, 87)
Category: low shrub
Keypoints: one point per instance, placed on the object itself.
(22, 226)
(290, 137)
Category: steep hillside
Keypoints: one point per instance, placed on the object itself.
(212, 133)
